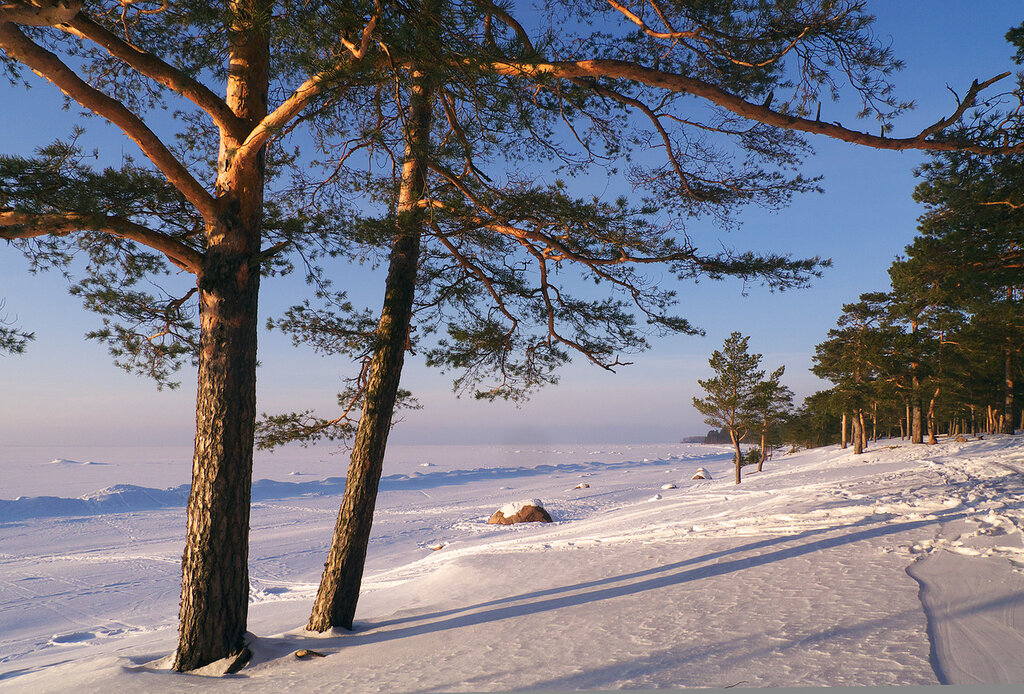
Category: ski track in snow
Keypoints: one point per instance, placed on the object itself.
(901, 566)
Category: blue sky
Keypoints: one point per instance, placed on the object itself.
(66, 391)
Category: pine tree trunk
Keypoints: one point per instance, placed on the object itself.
(1008, 392)
(858, 433)
(843, 442)
(737, 453)
(764, 444)
(336, 599)
(916, 423)
(215, 574)
(931, 419)
(215, 578)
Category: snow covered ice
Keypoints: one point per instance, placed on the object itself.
(903, 566)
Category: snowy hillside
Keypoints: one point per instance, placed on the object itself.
(903, 566)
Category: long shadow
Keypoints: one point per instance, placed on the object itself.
(124, 498)
(670, 579)
(733, 651)
(749, 547)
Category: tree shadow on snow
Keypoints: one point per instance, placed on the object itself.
(639, 581)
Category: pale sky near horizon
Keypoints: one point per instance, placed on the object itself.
(65, 390)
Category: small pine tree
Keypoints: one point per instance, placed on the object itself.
(730, 392)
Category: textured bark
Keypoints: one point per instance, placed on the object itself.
(215, 576)
(339, 587)
(338, 594)
(843, 433)
(858, 433)
(215, 579)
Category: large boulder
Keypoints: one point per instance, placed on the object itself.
(529, 511)
(701, 474)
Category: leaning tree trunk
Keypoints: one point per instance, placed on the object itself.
(336, 599)
(215, 578)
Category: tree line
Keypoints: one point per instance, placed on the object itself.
(940, 352)
(437, 139)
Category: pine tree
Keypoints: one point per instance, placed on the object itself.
(731, 393)
(970, 251)
(199, 208)
(772, 403)
(506, 98)
(853, 358)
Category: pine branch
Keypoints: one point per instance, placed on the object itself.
(673, 82)
(49, 66)
(39, 13)
(23, 225)
(159, 71)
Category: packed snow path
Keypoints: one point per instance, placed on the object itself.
(901, 566)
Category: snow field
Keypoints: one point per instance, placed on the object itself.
(902, 566)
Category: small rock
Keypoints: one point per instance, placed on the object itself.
(582, 485)
(304, 653)
(656, 497)
(669, 486)
(436, 547)
(960, 439)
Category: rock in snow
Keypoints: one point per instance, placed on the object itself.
(701, 474)
(528, 511)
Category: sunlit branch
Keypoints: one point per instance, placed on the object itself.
(39, 13)
(622, 69)
(23, 225)
(364, 44)
(49, 66)
(159, 71)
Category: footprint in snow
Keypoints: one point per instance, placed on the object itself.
(73, 637)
